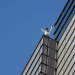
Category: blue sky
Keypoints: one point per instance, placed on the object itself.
(20, 30)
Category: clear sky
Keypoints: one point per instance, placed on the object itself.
(20, 30)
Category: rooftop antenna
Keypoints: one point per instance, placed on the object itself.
(47, 32)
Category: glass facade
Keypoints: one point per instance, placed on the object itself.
(67, 15)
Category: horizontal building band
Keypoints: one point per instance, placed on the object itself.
(69, 65)
(69, 28)
(66, 44)
(67, 36)
(68, 50)
(73, 73)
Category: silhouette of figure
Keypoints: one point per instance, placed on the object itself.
(47, 32)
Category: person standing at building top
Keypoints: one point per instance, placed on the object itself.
(47, 32)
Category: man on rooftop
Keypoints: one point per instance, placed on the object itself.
(47, 32)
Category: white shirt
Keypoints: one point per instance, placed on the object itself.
(46, 32)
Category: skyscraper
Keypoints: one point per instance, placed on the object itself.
(43, 59)
(65, 34)
(56, 57)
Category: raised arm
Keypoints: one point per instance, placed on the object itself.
(42, 29)
(50, 29)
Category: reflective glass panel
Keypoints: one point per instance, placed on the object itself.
(44, 58)
(52, 44)
(45, 40)
(45, 50)
(43, 68)
(52, 53)
(51, 62)
(41, 74)
(50, 71)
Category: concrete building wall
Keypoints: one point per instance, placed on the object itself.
(66, 50)
(66, 34)
(43, 59)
